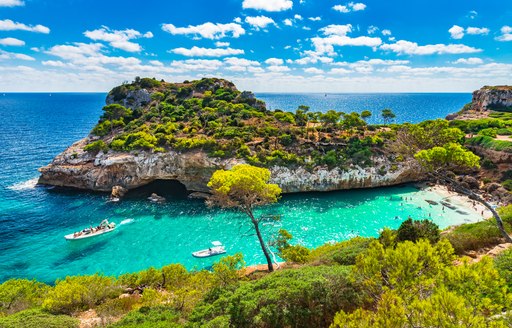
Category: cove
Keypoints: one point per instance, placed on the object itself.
(152, 234)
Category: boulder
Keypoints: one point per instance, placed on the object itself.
(118, 192)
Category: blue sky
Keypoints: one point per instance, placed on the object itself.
(261, 45)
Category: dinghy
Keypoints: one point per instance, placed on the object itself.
(217, 249)
(103, 228)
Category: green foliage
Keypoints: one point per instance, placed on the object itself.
(79, 293)
(490, 143)
(147, 317)
(96, 146)
(296, 254)
(344, 253)
(305, 297)
(490, 132)
(474, 236)
(415, 230)
(450, 156)
(148, 83)
(20, 294)
(503, 263)
(35, 318)
(366, 114)
(132, 141)
(229, 269)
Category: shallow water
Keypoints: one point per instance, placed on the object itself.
(34, 220)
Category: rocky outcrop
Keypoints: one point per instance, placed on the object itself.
(492, 98)
(101, 172)
(133, 99)
(495, 156)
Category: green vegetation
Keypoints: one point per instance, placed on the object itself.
(490, 143)
(213, 116)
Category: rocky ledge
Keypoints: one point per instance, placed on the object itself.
(79, 169)
(488, 98)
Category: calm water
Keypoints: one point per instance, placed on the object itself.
(33, 221)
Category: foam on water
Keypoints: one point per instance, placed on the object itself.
(126, 221)
(25, 185)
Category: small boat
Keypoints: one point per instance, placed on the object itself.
(103, 228)
(217, 249)
(450, 206)
(431, 202)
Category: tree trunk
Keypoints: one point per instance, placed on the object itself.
(475, 196)
(262, 243)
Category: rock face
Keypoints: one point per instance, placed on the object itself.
(488, 98)
(101, 172)
(134, 99)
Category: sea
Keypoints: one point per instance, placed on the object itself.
(33, 219)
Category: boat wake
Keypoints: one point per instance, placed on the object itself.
(25, 185)
(126, 221)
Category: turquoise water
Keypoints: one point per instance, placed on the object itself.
(33, 221)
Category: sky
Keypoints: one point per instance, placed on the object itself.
(261, 45)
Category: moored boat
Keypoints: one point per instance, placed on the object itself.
(103, 228)
(217, 249)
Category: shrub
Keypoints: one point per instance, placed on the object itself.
(507, 184)
(20, 294)
(79, 293)
(96, 146)
(474, 236)
(490, 143)
(344, 253)
(296, 254)
(35, 318)
(415, 230)
(503, 263)
(146, 317)
(488, 164)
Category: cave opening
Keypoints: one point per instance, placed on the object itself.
(170, 189)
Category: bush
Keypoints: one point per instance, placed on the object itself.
(474, 236)
(146, 317)
(35, 318)
(296, 254)
(344, 253)
(507, 184)
(416, 230)
(490, 143)
(96, 146)
(503, 264)
(20, 294)
(79, 293)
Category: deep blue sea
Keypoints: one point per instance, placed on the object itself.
(33, 220)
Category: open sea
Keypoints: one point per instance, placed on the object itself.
(34, 220)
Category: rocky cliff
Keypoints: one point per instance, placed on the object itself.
(77, 168)
(492, 98)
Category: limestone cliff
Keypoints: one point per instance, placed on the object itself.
(492, 98)
(79, 169)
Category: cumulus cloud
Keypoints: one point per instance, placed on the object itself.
(9, 25)
(11, 3)
(118, 39)
(268, 5)
(469, 61)
(207, 30)
(11, 42)
(288, 22)
(386, 32)
(372, 29)
(13, 55)
(274, 61)
(259, 22)
(278, 68)
(220, 44)
(336, 35)
(457, 32)
(236, 64)
(351, 6)
(315, 19)
(313, 70)
(506, 34)
(412, 48)
(207, 52)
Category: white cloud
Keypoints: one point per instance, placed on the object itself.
(457, 32)
(351, 6)
(220, 44)
(386, 32)
(9, 25)
(259, 22)
(13, 55)
(118, 39)
(412, 48)
(313, 70)
(11, 3)
(312, 57)
(278, 68)
(336, 36)
(54, 63)
(268, 5)
(288, 22)
(156, 63)
(477, 30)
(506, 34)
(204, 65)
(372, 29)
(274, 61)
(11, 42)
(315, 19)
(298, 17)
(207, 52)
(339, 71)
(207, 30)
(469, 61)
(472, 14)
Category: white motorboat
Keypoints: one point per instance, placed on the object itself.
(103, 228)
(217, 249)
